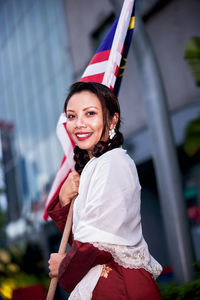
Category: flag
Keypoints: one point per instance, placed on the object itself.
(106, 67)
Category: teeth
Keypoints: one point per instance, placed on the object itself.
(83, 135)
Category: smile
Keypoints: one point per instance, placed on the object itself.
(83, 136)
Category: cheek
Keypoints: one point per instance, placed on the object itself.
(98, 127)
(69, 127)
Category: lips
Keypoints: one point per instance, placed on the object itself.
(81, 136)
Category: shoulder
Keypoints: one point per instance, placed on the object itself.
(117, 163)
(113, 165)
(116, 158)
(115, 171)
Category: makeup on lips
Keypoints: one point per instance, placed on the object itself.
(81, 136)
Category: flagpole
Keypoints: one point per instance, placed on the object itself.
(62, 250)
(165, 159)
(105, 64)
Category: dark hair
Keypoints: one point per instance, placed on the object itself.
(110, 106)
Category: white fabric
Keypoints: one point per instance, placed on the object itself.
(107, 208)
(83, 290)
(107, 211)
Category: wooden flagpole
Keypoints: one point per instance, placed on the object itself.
(62, 249)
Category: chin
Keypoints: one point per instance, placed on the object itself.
(84, 147)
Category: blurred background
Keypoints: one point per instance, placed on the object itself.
(45, 45)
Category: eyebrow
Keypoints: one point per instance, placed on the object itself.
(83, 109)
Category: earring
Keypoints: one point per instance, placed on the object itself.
(112, 133)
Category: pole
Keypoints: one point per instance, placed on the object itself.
(164, 156)
(62, 250)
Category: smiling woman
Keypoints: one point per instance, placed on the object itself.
(85, 120)
(93, 115)
(109, 258)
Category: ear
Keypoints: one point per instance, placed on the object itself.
(114, 120)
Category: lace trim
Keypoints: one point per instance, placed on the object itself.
(131, 257)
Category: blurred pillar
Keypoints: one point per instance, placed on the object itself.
(164, 155)
(10, 171)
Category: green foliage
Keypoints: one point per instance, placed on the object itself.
(192, 137)
(187, 291)
(192, 56)
(2, 224)
(2, 218)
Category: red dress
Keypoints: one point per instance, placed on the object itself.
(115, 282)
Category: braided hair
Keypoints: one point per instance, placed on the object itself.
(110, 106)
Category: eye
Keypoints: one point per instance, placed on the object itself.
(91, 113)
(70, 116)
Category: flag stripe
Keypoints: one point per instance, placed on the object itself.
(119, 37)
(132, 23)
(72, 142)
(93, 78)
(100, 56)
(61, 176)
(96, 68)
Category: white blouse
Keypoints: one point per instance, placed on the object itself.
(107, 211)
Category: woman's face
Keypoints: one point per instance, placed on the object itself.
(85, 120)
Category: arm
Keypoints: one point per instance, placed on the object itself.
(58, 213)
(59, 208)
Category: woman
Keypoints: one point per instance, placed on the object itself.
(108, 258)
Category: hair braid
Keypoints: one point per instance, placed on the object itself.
(81, 157)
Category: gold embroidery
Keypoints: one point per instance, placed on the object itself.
(105, 271)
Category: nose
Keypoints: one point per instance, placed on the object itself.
(80, 122)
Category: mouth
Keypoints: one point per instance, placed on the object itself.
(83, 136)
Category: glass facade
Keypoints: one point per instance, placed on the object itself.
(35, 73)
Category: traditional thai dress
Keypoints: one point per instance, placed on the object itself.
(109, 258)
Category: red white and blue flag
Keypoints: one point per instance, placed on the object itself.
(106, 67)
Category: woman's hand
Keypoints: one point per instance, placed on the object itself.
(69, 189)
(54, 263)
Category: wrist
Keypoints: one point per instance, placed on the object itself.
(64, 201)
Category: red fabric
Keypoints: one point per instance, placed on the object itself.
(125, 284)
(30, 293)
(59, 215)
(120, 283)
(100, 56)
(56, 192)
(79, 260)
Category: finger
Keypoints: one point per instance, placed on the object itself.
(75, 188)
(75, 174)
(77, 178)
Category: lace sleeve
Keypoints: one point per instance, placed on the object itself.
(131, 257)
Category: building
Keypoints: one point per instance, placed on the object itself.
(35, 73)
